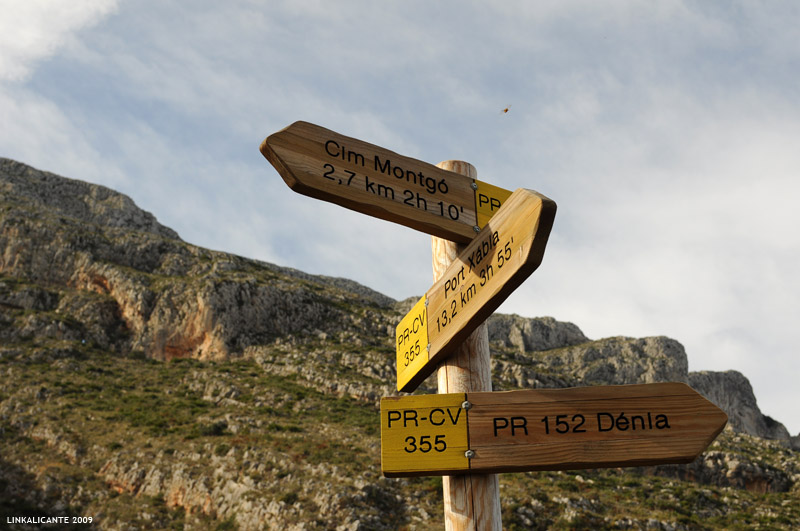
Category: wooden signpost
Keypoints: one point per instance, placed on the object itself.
(486, 242)
(320, 163)
(546, 429)
(484, 274)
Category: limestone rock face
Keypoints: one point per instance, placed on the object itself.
(620, 360)
(137, 287)
(97, 269)
(75, 199)
(542, 333)
(732, 393)
(277, 420)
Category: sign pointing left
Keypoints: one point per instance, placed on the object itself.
(322, 164)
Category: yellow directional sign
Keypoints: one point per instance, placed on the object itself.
(508, 249)
(320, 163)
(547, 429)
(423, 433)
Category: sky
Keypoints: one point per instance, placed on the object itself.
(666, 132)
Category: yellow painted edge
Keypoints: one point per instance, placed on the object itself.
(488, 199)
(424, 435)
(411, 343)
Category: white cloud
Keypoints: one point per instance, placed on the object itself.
(665, 133)
(32, 30)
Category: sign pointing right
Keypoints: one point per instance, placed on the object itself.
(506, 251)
(546, 429)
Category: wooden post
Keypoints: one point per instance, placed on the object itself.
(471, 501)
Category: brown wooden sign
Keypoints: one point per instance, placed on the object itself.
(546, 429)
(320, 163)
(507, 250)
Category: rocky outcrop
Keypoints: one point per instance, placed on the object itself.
(732, 393)
(526, 335)
(737, 466)
(78, 200)
(131, 284)
(100, 270)
(91, 286)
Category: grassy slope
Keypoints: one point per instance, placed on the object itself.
(64, 421)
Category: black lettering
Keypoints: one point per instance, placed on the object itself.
(622, 422)
(430, 183)
(467, 296)
(382, 168)
(412, 445)
(450, 414)
(408, 416)
(498, 426)
(402, 338)
(633, 421)
(331, 143)
(519, 422)
(359, 158)
(393, 415)
(486, 274)
(662, 422)
(448, 286)
(385, 191)
(431, 417)
(600, 421)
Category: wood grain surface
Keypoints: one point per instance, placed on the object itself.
(325, 165)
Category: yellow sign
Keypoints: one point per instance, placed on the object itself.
(546, 429)
(411, 337)
(422, 434)
(488, 200)
(323, 164)
(487, 271)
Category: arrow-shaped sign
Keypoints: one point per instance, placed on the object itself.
(320, 163)
(508, 249)
(546, 429)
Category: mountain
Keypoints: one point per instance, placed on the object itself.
(150, 383)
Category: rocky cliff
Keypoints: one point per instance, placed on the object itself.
(169, 376)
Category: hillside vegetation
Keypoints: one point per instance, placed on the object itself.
(151, 384)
